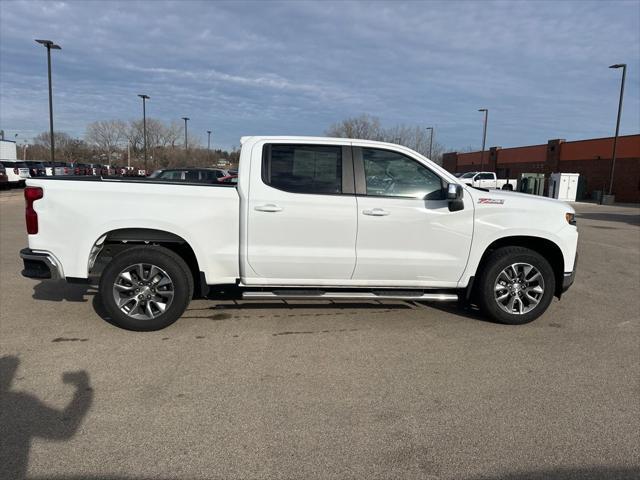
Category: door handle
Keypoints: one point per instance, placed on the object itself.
(269, 207)
(376, 212)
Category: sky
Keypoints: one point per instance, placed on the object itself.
(296, 67)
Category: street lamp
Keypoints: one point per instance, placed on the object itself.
(430, 142)
(50, 46)
(615, 139)
(208, 139)
(144, 126)
(484, 134)
(186, 119)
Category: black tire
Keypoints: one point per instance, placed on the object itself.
(170, 263)
(507, 186)
(500, 260)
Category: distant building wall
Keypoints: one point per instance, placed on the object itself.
(590, 158)
(7, 150)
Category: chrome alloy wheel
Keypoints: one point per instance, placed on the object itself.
(519, 288)
(143, 291)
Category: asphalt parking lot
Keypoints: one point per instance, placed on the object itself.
(319, 390)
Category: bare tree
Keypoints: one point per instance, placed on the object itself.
(367, 127)
(67, 148)
(44, 139)
(364, 127)
(107, 135)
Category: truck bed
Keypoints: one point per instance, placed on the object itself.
(75, 212)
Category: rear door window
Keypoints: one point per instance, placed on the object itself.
(172, 175)
(485, 176)
(315, 169)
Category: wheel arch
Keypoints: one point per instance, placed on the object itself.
(121, 239)
(545, 247)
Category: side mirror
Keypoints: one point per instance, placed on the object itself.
(454, 196)
(454, 191)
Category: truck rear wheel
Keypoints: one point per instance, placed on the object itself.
(516, 285)
(146, 288)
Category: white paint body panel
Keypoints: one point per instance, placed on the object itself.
(73, 215)
(310, 241)
(319, 240)
(416, 242)
(521, 214)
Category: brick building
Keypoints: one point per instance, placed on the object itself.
(590, 158)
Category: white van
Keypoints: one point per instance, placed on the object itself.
(17, 172)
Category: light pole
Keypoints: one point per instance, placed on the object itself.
(430, 142)
(484, 134)
(144, 126)
(615, 139)
(186, 119)
(50, 46)
(208, 139)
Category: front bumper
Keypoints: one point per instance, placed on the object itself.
(40, 265)
(569, 277)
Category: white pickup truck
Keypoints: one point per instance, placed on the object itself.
(488, 180)
(310, 218)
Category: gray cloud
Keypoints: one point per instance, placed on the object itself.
(243, 68)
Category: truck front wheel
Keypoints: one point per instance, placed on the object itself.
(516, 285)
(146, 288)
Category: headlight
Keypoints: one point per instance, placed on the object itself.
(571, 218)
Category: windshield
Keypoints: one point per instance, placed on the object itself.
(469, 175)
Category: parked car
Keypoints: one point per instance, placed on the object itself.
(85, 169)
(36, 169)
(106, 170)
(4, 180)
(65, 169)
(197, 175)
(303, 222)
(488, 180)
(118, 170)
(93, 168)
(49, 168)
(17, 172)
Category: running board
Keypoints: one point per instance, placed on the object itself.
(293, 295)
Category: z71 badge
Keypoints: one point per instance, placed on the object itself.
(495, 201)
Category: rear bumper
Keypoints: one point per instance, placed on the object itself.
(569, 277)
(40, 265)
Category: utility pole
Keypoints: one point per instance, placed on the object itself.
(484, 134)
(50, 46)
(615, 138)
(144, 127)
(186, 119)
(430, 142)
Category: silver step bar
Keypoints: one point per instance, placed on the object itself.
(292, 295)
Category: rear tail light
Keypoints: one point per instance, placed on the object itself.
(31, 194)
